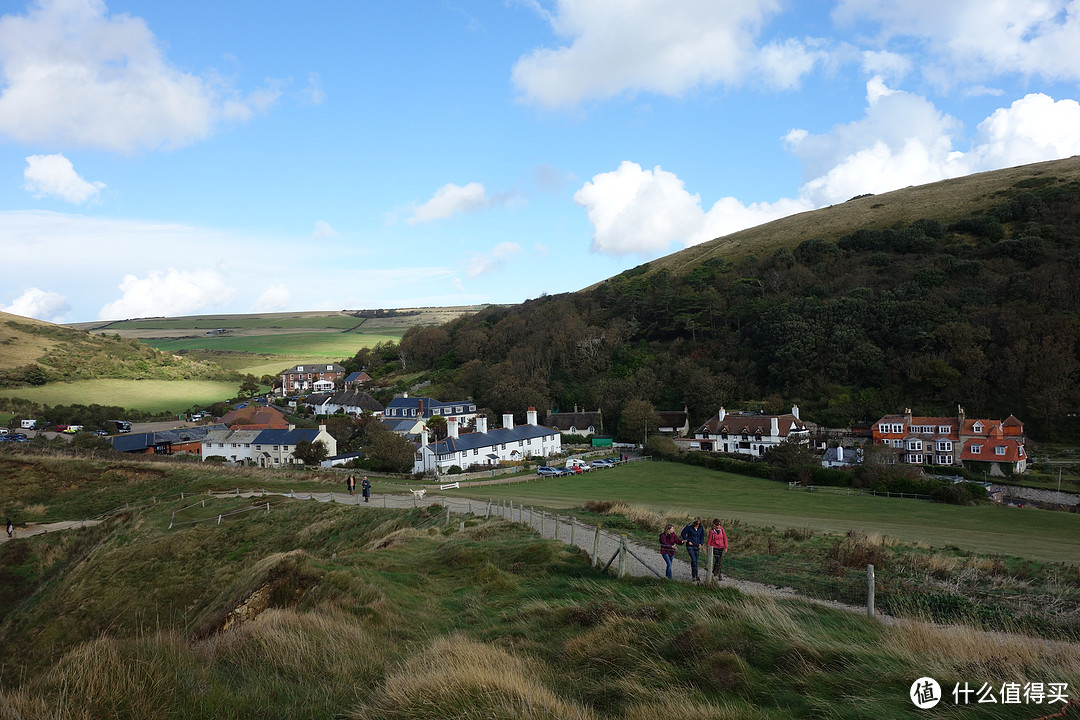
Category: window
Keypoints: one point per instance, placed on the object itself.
(898, 428)
(944, 445)
(976, 449)
(898, 443)
(886, 441)
(944, 459)
(914, 445)
(275, 447)
(457, 409)
(977, 427)
(944, 429)
(915, 459)
(999, 450)
(476, 451)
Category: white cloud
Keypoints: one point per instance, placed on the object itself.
(889, 65)
(494, 261)
(55, 175)
(971, 39)
(314, 93)
(273, 299)
(323, 230)
(76, 76)
(645, 211)
(174, 292)
(1032, 129)
(40, 304)
(452, 199)
(657, 46)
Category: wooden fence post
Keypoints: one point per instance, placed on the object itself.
(448, 514)
(709, 578)
(622, 555)
(596, 546)
(573, 524)
(870, 590)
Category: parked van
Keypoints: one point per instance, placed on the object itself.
(122, 425)
(72, 429)
(29, 424)
(578, 465)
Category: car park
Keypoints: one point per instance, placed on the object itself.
(546, 471)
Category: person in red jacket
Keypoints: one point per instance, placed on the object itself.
(668, 541)
(717, 540)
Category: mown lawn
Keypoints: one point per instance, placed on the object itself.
(153, 396)
(673, 488)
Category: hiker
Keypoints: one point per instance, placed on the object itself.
(718, 542)
(366, 489)
(694, 535)
(668, 541)
(350, 484)
(10, 528)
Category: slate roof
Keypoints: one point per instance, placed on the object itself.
(358, 377)
(285, 437)
(349, 398)
(137, 442)
(431, 406)
(752, 424)
(244, 436)
(314, 368)
(851, 456)
(404, 425)
(475, 441)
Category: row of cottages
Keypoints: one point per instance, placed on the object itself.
(165, 442)
(312, 378)
(485, 448)
(350, 402)
(265, 448)
(750, 434)
(424, 408)
(956, 440)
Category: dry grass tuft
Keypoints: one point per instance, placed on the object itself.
(642, 517)
(681, 706)
(461, 678)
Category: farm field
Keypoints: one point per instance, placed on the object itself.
(155, 396)
(673, 488)
(312, 345)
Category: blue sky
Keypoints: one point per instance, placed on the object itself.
(197, 157)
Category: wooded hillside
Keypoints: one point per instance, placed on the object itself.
(980, 309)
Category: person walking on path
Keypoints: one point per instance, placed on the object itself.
(718, 542)
(365, 487)
(10, 528)
(350, 484)
(668, 541)
(694, 537)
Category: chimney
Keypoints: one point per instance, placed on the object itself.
(405, 395)
(481, 424)
(291, 427)
(840, 454)
(774, 428)
(795, 412)
(723, 414)
(322, 427)
(508, 420)
(907, 416)
(451, 427)
(960, 414)
(531, 415)
(423, 437)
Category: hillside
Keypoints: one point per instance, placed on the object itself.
(322, 610)
(33, 353)
(963, 292)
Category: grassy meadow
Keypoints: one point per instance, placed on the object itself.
(330, 611)
(153, 396)
(313, 345)
(683, 489)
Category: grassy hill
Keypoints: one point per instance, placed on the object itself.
(327, 611)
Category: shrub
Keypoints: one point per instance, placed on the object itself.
(454, 470)
(215, 459)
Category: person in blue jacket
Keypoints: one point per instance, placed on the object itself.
(366, 487)
(694, 537)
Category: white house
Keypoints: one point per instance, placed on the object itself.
(750, 434)
(233, 445)
(266, 448)
(352, 402)
(487, 448)
(584, 422)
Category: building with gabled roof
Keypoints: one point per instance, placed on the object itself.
(674, 422)
(255, 417)
(164, 442)
(487, 448)
(579, 422)
(302, 378)
(404, 407)
(234, 445)
(923, 440)
(752, 434)
(356, 380)
(352, 402)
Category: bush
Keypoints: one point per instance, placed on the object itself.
(215, 459)
(454, 470)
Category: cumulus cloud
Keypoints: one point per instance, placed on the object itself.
(971, 39)
(451, 199)
(76, 76)
(174, 292)
(54, 175)
(1032, 129)
(656, 46)
(273, 299)
(492, 262)
(40, 304)
(323, 230)
(635, 210)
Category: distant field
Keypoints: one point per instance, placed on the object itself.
(332, 346)
(672, 487)
(149, 395)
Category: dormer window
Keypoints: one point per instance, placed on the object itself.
(976, 449)
(999, 450)
(977, 427)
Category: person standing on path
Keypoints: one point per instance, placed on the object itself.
(668, 541)
(694, 536)
(365, 487)
(350, 484)
(718, 542)
(10, 528)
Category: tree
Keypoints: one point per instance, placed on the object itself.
(249, 386)
(436, 425)
(790, 454)
(638, 418)
(311, 453)
(390, 451)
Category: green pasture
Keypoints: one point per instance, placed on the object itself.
(333, 346)
(154, 396)
(673, 488)
(239, 322)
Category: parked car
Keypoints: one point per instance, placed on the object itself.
(4, 431)
(72, 429)
(564, 471)
(546, 471)
(101, 433)
(18, 437)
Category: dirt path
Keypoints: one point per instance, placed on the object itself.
(39, 529)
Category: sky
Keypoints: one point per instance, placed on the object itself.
(240, 157)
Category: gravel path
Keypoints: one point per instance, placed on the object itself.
(39, 529)
(583, 535)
